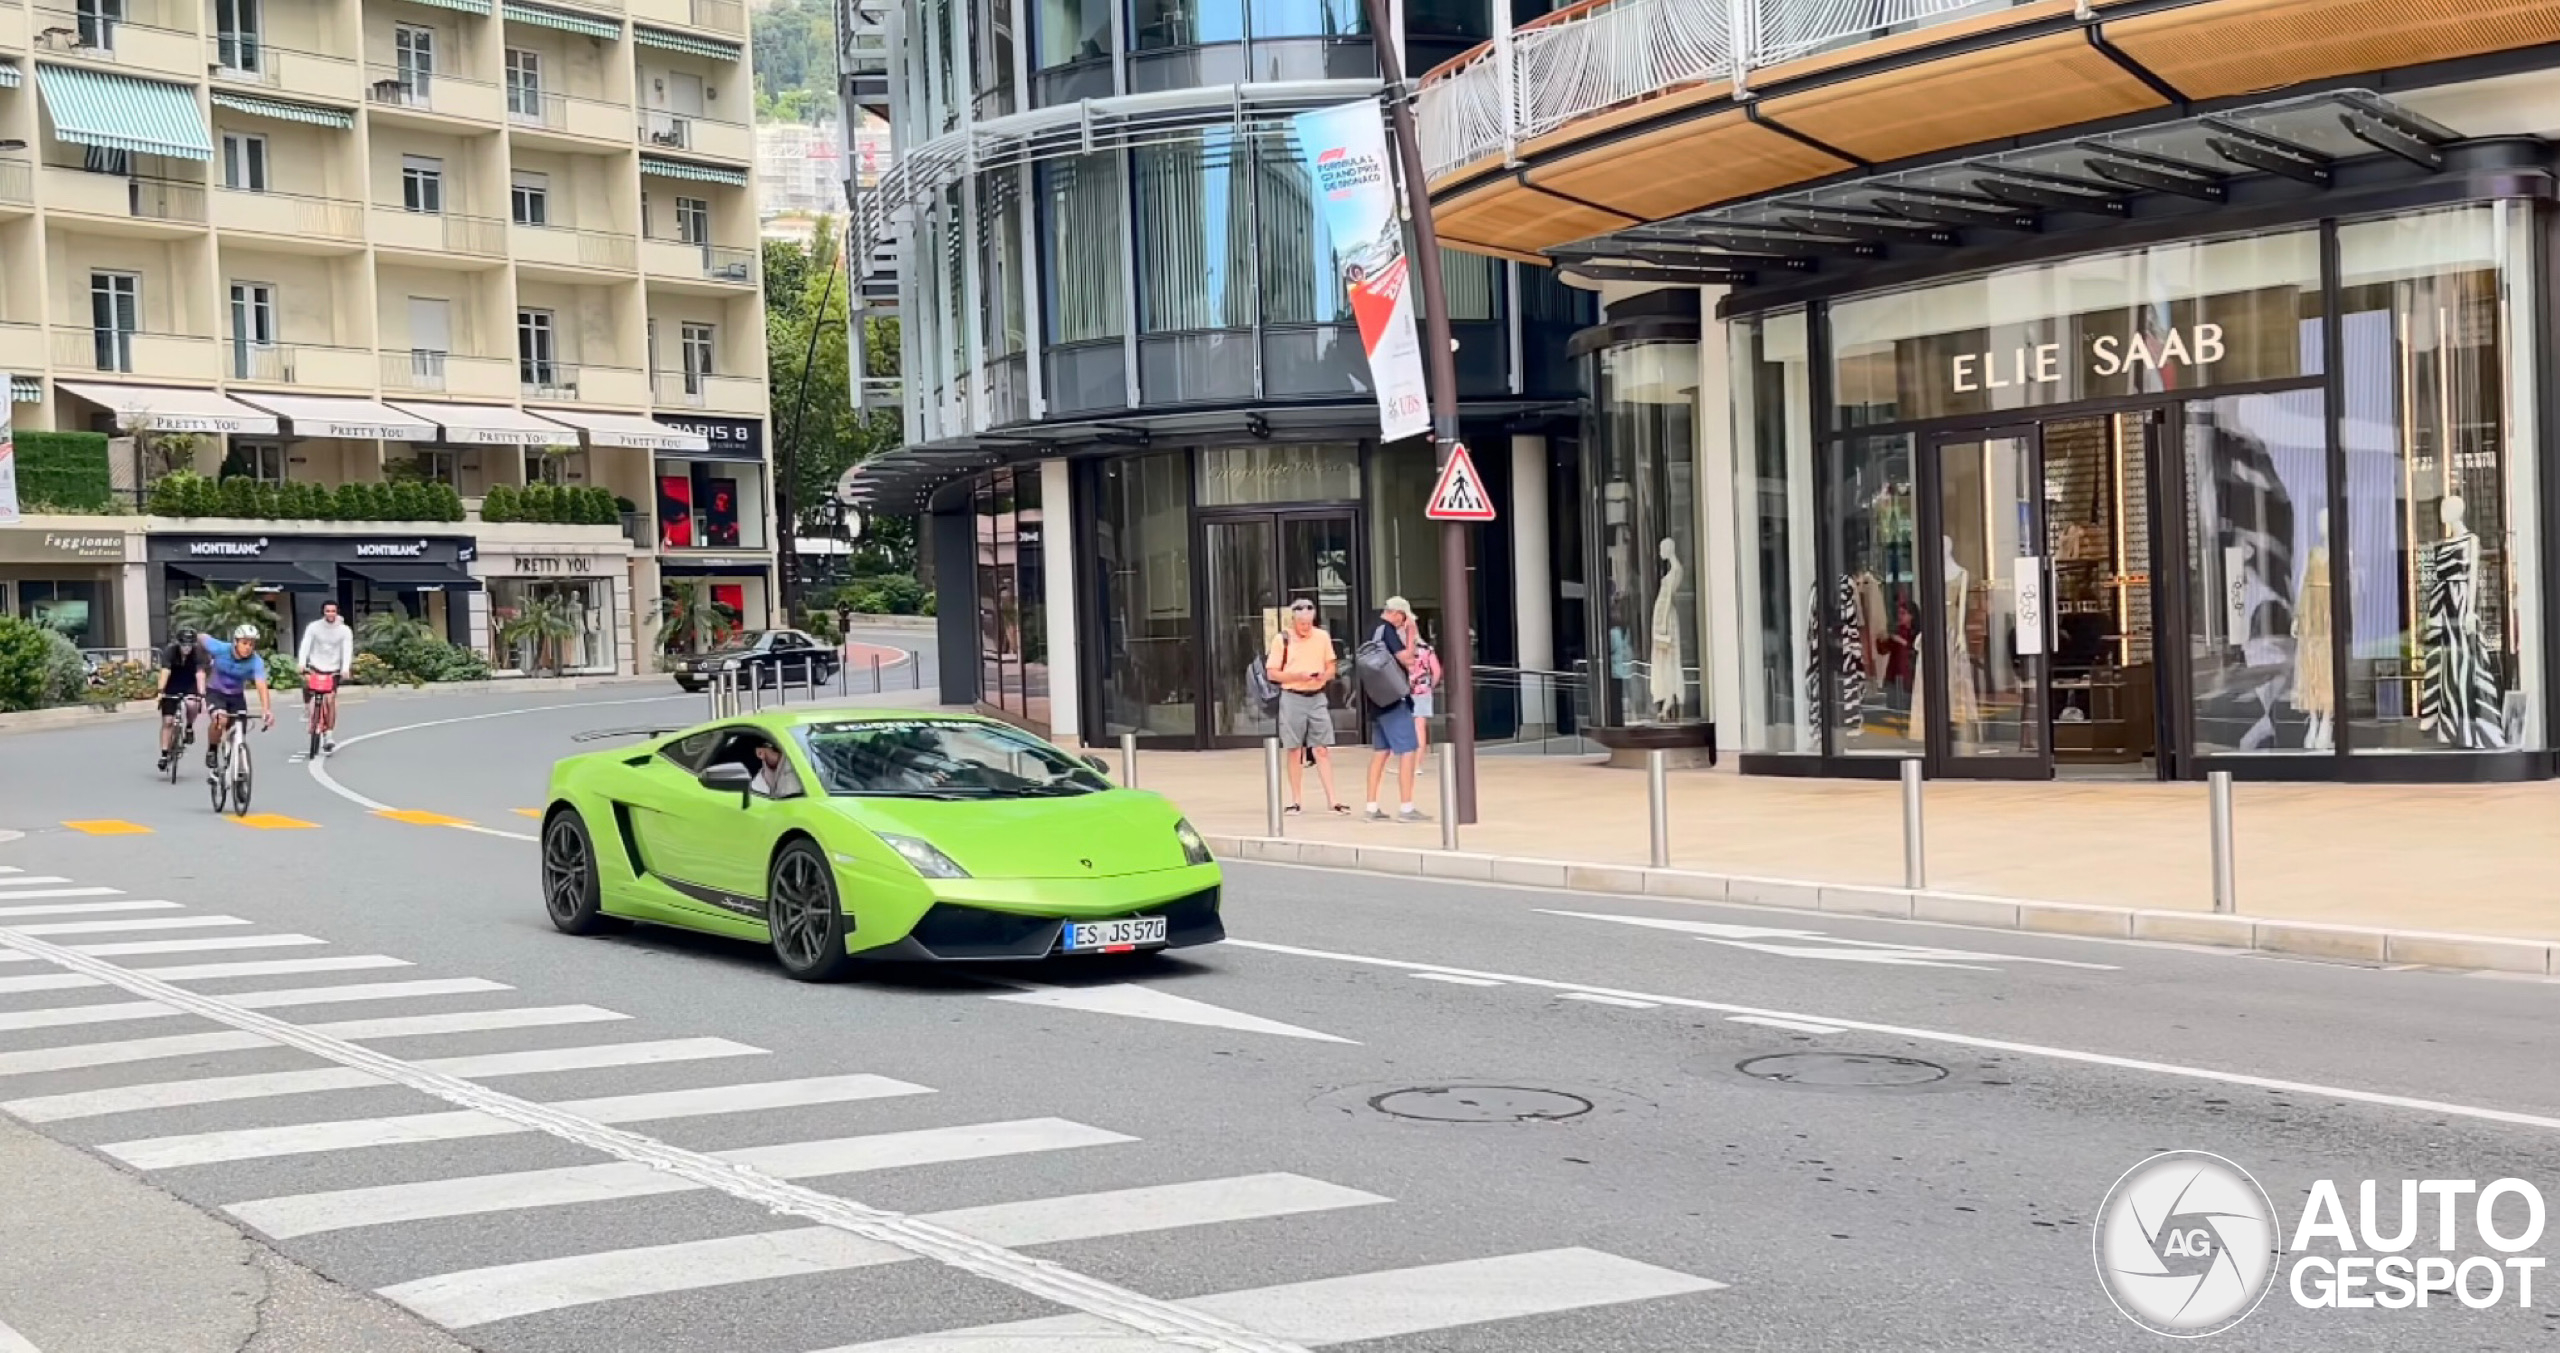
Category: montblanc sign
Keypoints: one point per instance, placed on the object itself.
(403, 549)
(228, 549)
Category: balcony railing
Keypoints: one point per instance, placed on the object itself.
(245, 60)
(147, 35)
(574, 114)
(17, 182)
(133, 352)
(68, 188)
(1592, 57)
(431, 371)
(392, 86)
(720, 16)
(397, 227)
(561, 382)
(718, 262)
(331, 218)
(662, 130)
(298, 364)
(701, 390)
(575, 248)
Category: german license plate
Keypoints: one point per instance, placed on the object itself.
(1108, 937)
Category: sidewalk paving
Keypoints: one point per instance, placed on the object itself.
(2470, 859)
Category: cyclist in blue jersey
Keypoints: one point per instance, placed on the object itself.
(229, 672)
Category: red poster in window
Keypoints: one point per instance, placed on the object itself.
(720, 514)
(675, 511)
(731, 598)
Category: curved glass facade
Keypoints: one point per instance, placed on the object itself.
(1640, 486)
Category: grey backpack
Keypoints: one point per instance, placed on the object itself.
(1382, 679)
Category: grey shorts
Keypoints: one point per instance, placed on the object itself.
(1305, 720)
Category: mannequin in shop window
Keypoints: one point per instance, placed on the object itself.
(2315, 685)
(1962, 712)
(2458, 700)
(1666, 669)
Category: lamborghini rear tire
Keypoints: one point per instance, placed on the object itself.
(805, 916)
(571, 892)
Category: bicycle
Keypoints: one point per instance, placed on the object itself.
(319, 710)
(178, 733)
(231, 770)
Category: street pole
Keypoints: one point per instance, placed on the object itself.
(1440, 374)
(786, 500)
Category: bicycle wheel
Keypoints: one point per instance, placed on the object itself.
(220, 780)
(240, 775)
(171, 730)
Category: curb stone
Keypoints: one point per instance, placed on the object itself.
(134, 711)
(2309, 939)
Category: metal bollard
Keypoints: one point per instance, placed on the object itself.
(875, 674)
(915, 671)
(1448, 797)
(1657, 775)
(1128, 761)
(2218, 796)
(1273, 817)
(1915, 868)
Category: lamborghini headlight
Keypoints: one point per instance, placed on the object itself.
(1194, 849)
(931, 863)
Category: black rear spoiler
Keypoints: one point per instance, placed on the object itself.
(600, 734)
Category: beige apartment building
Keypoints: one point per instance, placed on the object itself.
(481, 242)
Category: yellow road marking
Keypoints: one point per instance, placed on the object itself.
(529, 812)
(273, 822)
(107, 826)
(420, 817)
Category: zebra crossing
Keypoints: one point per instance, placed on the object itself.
(129, 1060)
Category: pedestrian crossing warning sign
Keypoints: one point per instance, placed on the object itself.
(1460, 495)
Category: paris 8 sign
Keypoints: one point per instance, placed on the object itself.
(1460, 494)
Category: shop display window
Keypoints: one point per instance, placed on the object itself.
(1142, 559)
(1641, 476)
(1773, 495)
(582, 636)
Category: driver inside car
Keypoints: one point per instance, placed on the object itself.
(774, 778)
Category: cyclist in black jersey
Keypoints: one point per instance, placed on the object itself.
(182, 671)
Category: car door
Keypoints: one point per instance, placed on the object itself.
(725, 839)
(676, 821)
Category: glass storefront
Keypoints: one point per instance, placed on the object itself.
(575, 634)
(1013, 608)
(1640, 478)
(2103, 513)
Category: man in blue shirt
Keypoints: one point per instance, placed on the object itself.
(229, 672)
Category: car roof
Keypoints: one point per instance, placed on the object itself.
(798, 718)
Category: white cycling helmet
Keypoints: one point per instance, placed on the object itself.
(248, 632)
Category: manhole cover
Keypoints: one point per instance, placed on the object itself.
(1481, 1104)
(1843, 1069)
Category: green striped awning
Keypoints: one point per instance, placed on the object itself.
(466, 6)
(8, 75)
(564, 21)
(338, 118)
(119, 112)
(686, 43)
(26, 390)
(687, 169)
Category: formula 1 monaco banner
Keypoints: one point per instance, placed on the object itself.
(1345, 148)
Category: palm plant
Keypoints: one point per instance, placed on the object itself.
(545, 623)
(691, 622)
(220, 611)
(388, 630)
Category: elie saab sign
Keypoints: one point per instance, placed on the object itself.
(2104, 356)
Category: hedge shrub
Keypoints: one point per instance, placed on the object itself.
(558, 504)
(25, 651)
(193, 495)
(64, 470)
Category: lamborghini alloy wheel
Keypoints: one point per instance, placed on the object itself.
(805, 916)
(570, 889)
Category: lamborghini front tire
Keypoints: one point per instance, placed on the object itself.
(571, 892)
(805, 916)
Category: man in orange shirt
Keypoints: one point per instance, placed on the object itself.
(1301, 662)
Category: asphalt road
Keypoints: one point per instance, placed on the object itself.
(1391, 1115)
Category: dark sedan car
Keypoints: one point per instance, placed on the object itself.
(761, 657)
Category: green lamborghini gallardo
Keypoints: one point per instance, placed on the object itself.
(839, 836)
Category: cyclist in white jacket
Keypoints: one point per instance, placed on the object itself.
(327, 656)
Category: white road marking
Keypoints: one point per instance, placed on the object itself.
(82, 908)
(33, 894)
(250, 1000)
(1141, 1002)
(178, 946)
(1756, 938)
(83, 1055)
(1454, 979)
(1620, 1001)
(13, 1342)
(346, 1209)
(1356, 1308)
(17, 878)
(479, 1296)
(273, 967)
(320, 769)
(303, 1139)
(1802, 1026)
(2373, 1097)
(225, 1089)
(121, 927)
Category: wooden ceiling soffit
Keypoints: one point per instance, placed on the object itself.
(2012, 90)
(1685, 167)
(1506, 214)
(2231, 47)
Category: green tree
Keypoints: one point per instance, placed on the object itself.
(541, 628)
(794, 47)
(222, 610)
(688, 621)
(819, 437)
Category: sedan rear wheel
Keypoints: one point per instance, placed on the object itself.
(571, 892)
(805, 916)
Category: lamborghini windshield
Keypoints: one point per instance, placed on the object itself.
(942, 759)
